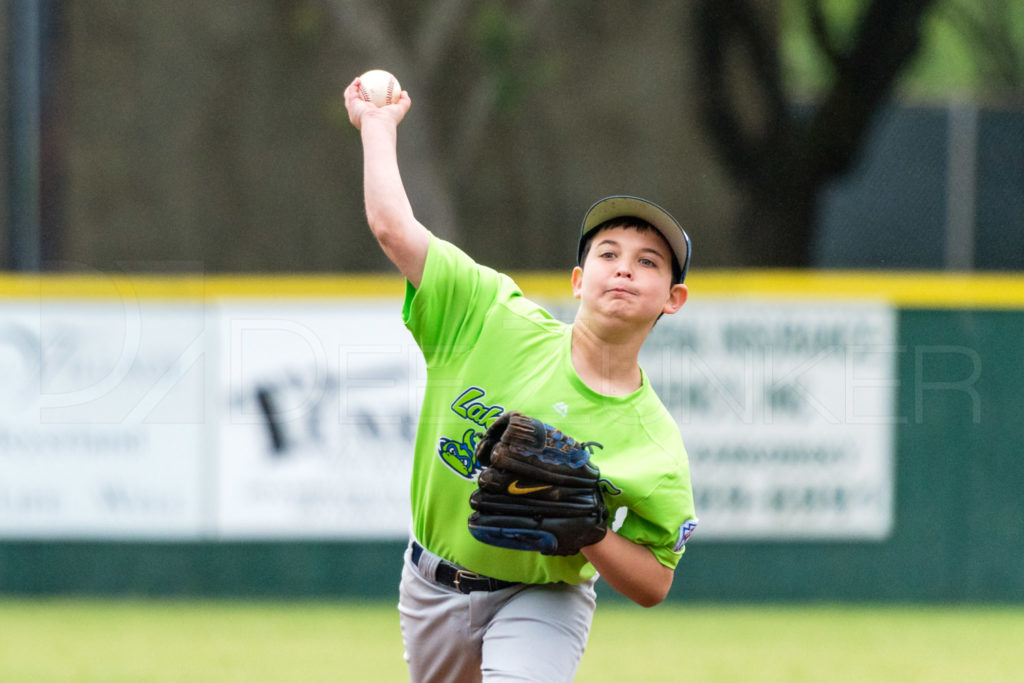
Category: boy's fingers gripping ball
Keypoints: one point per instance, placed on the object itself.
(539, 490)
(380, 87)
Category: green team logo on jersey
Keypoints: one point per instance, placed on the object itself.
(459, 454)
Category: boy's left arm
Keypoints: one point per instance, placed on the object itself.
(630, 568)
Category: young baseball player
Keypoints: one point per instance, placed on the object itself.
(496, 603)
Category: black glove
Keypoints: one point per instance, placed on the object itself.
(538, 491)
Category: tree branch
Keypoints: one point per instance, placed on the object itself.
(822, 37)
(886, 39)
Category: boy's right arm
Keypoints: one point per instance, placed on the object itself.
(388, 211)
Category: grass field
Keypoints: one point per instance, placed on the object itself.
(210, 642)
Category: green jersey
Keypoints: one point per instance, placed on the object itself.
(489, 349)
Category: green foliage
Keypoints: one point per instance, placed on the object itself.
(515, 63)
(501, 38)
(968, 48)
(805, 68)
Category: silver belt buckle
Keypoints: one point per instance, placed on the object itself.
(463, 574)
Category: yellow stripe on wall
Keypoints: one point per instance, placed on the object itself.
(190, 287)
(903, 288)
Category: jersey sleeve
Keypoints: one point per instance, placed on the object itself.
(664, 520)
(447, 312)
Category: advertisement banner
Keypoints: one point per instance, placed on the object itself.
(102, 420)
(787, 412)
(319, 405)
(273, 419)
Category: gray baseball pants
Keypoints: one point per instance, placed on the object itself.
(526, 632)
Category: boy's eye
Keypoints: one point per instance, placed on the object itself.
(646, 262)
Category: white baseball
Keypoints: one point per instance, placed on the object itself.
(379, 87)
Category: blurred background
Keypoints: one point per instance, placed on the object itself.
(878, 140)
(212, 136)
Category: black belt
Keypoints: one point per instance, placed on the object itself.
(462, 580)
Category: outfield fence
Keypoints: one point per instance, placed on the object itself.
(852, 436)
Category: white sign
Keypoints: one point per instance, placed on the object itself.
(787, 411)
(284, 419)
(101, 419)
(320, 407)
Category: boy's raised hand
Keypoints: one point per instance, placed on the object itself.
(358, 107)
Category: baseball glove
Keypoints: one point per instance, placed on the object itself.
(538, 490)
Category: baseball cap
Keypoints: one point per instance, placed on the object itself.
(617, 206)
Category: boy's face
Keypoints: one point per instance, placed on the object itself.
(627, 276)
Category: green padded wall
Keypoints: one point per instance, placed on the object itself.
(958, 533)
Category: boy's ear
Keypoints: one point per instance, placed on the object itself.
(676, 298)
(577, 282)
